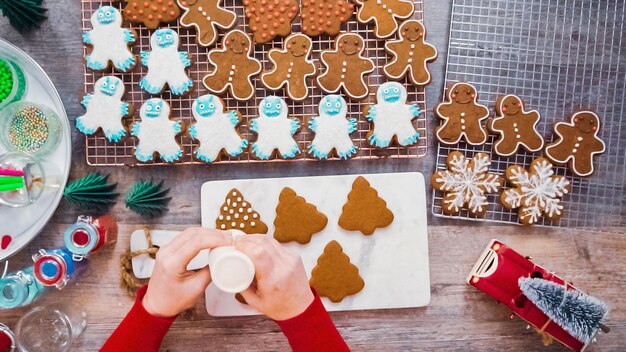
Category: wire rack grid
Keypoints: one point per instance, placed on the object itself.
(100, 152)
(559, 56)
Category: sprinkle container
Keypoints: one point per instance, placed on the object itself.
(29, 128)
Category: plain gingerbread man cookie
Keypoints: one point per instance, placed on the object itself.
(516, 127)
(234, 67)
(385, 14)
(206, 16)
(462, 116)
(346, 67)
(410, 54)
(577, 143)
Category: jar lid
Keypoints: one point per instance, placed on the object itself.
(81, 238)
(51, 270)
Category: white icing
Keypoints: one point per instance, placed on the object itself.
(104, 111)
(274, 133)
(223, 226)
(245, 217)
(408, 68)
(393, 119)
(497, 144)
(228, 218)
(446, 119)
(253, 223)
(108, 41)
(157, 134)
(221, 217)
(255, 215)
(234, 204)
(165, 65)
(332, 131)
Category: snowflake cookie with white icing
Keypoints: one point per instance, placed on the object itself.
(215, 129)
(332, 129)
(535, 193)
(157, 133)
(166, 65)
(392, 117)
(275, 130)
(105, 110)
(109, 41)
(465, 183)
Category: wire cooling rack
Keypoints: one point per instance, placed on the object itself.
(559, 56)
(100, 152)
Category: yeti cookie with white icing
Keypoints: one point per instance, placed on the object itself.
(166, 65)
(215, 129)
(105, 110)
(109, 41)
(392, 117)
(332, 129)
(275, 130)
(156, 132)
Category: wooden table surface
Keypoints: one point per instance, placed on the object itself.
(459, 317)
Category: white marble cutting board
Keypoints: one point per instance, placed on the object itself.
(393, 261)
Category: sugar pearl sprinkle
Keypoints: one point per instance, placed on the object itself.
(28, 130)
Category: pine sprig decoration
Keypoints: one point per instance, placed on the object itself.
(147, 198)
(577, 313)
(24, 15)
(91, 191)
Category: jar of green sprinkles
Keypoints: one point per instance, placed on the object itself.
(12, 83)
(30, 128)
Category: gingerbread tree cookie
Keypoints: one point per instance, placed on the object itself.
(410, 54)
(346, 67)
(151, 12)
(385, 14)
(335, 276)
(536, 192)
(270, 18)
(516, 126)
(364, 211)
(234, 67)
(577, 143)
(465, 183)
(237, 213)
(296, 220)
(462, 116)
(324, 16)
(206, 16)
(292, 66)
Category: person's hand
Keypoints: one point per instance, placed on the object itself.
(282, 289)
(173, 288)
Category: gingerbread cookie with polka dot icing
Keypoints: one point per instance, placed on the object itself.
(237, 213)
(324, 16)
(206, 16)
(269, 19)
(577, 142)
(151, 12)
(385, 14)
(515, 126)
(462, 116)
(410, 54)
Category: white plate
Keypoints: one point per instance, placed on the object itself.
(393, 261)
(24, 224)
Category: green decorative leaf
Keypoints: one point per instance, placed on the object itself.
(148, 199)
(24, 15)
(91, 191)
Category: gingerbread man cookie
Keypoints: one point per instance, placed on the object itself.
(151, 12)
(109, 41)
(346, 67)
(324, 16)
(234, 67)
(577, 143)
(385, 14)
(292, 67)
(206, 16)
(270, 18)
(410, 54)
(462, 116)
(516, 126)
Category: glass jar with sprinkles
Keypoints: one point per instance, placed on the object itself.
(12, 82)
(29, 128)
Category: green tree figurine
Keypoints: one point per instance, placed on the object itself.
(91, 192)
(147, 198)
(23, 15)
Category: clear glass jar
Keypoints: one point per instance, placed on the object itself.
(19, 289)
(50, 329)
(87, 235)
(30, 128)
(18, 79)
(36, 180)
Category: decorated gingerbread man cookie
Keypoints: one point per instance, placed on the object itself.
(392, 117)
(166, 65)
(275, 130)
(324, 16)
(410, 54)
(516, 127)
(215, 129)
(346, 67)
(151, 12)
(385, 14)
(292, 67)
(156, 133)
(109, 41)
(577, 143)
(105, 109)
(462, 116)
(234, 67)
(206, 16)
(270, 18)
(332, 129)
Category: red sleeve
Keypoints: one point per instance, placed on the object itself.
(313, 330)
(139, 331)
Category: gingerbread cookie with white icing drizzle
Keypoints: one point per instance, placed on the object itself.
(237, 213)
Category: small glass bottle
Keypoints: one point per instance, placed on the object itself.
(19, 289)
(87, 235)
(7, 339)
(56, 267)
